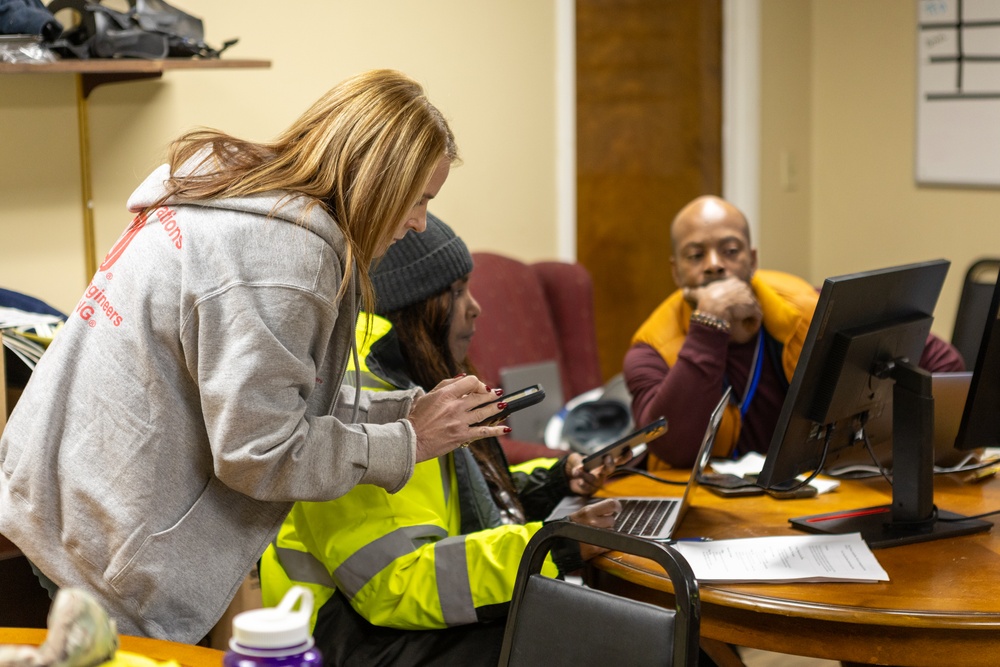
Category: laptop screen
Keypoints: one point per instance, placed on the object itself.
(657, 517)
(705, 453)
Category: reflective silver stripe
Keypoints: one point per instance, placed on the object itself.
(454, 589)
(303, 566)
(375, 556)
(371, 381)
(445, 478)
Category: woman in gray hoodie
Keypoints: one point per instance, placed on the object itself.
(198, 388)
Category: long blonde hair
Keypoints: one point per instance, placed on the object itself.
(364, 151)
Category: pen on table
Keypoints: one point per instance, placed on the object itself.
(693, 539)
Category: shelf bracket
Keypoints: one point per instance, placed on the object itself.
(86, 82)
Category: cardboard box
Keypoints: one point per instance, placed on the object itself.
(247, 597)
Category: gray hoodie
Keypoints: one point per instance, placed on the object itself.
(193, 395)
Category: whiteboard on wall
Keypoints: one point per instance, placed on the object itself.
(958, 92)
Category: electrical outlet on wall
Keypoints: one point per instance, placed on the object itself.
(787, 172)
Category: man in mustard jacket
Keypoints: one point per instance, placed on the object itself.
(728, 324)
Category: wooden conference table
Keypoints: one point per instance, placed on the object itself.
(940, 607)
(160, 650)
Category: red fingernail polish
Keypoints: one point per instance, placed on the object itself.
(460, 375)
(501, 405)
(506, 429)
(488, 388)
(498, 392)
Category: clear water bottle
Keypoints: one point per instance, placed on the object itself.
(275, 636)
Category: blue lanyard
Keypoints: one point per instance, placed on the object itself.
(758, 362)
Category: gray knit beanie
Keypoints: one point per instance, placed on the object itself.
(418, 266)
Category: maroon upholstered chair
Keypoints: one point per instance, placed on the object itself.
(533, 313)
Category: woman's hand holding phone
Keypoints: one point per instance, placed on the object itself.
(512, 402)
(650, 431)
(584, 482)
(441, 417)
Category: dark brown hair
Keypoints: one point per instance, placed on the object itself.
(422, 329)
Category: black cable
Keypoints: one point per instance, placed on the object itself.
(644, 473)
(959, 519)
(916, 524)
(867, 474)
(819, 468)
(871, 453)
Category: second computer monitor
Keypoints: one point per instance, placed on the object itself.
(980, 426)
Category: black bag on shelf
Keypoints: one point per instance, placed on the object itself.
(150, 29)
(28, 17)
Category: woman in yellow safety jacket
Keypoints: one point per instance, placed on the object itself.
(440, 555)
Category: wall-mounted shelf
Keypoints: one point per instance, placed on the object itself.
(95, 72)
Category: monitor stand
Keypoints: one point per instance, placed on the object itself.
(912, 516)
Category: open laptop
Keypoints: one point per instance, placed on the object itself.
(657, 517)
(950, 391)
(528, 425)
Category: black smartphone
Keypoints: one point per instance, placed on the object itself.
(730, 486)
(650, 431)
(518, 400)
(793, 488)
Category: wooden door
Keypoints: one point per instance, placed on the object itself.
(649, 128)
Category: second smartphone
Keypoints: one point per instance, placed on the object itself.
(517, 400)
(650, 431)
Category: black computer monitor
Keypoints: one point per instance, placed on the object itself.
(980, 425)
(859, 358)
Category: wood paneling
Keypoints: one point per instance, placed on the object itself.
(649, 127)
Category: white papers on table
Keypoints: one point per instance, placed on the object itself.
(784, 558)
(752, 463)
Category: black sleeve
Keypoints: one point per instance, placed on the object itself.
(541, 490)
(566, 555)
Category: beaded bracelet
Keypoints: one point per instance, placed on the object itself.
(710, 321)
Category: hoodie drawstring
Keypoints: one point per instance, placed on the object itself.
(354, 354)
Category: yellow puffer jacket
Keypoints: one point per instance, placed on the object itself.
(788, 303)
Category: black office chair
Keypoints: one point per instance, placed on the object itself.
(555, 622)
(973, 306)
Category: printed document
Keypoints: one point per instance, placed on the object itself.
(783, 558)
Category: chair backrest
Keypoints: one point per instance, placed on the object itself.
(534, 313)
(556, 622)
(973, 307)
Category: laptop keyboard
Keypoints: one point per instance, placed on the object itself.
(643, 517)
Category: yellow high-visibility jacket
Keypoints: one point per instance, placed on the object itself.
(433, 555)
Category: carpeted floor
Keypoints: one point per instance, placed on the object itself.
(754, 658)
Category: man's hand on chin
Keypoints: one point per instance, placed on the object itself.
(730, 299)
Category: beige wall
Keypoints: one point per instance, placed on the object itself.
(785, 147)
(489, 66)
(865, 210)
(837, 128)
